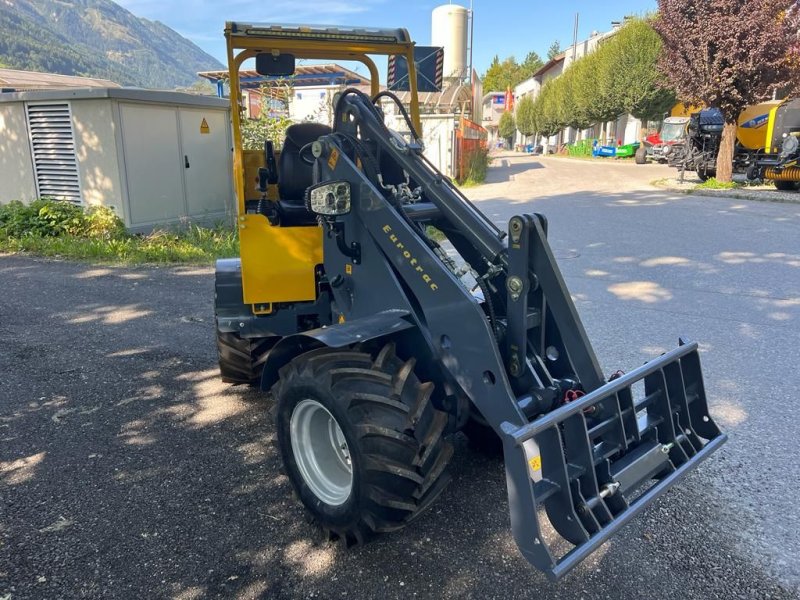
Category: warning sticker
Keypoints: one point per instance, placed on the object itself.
(204, 126)
(333, 159)
(535, 463)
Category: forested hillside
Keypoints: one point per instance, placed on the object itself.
(97, 38)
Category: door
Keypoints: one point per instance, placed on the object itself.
(206, 161)
(153, 163)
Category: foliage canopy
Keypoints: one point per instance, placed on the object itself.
(505, 74)
(620, 76)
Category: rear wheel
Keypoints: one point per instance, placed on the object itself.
(787, 186)
(360, 440)
(241, 360)
(641, 155)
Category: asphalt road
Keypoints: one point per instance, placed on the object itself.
(128, 470)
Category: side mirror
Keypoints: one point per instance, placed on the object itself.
(329, 199)
(268, 64)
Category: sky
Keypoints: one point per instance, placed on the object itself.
(502, 27)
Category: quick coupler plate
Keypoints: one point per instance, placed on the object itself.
(596, 462)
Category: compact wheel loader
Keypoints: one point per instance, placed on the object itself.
(378, 344)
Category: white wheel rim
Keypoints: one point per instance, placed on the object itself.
(321, 452)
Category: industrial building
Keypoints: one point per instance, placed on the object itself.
(154, 157)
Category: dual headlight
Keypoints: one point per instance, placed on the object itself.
(329, 199)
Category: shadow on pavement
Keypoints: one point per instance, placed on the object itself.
(127, 469)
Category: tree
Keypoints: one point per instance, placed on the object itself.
(529, 66)
(593, 90)
(636, 83)
(526, 116)
(579, 107)
(554, 50)
(549, 116)
(507, 127)
(728, 54)
(502, 75)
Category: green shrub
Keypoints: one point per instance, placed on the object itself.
(101, 222)
(54, 218)
(41, 218)
(52, 228)
(477, 163)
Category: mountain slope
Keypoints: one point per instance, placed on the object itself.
(97, 38)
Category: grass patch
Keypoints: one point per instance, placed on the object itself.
(713, 184)
(60, 229)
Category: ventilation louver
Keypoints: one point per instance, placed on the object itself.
(53, 144)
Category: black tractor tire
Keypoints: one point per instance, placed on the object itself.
(398, 455)
(641, 155)
(787, 186)
(483, 438)
(706, 174)
(241, 360)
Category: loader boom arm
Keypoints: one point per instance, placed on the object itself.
(576, 445)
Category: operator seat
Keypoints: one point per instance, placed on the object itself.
(295, 175)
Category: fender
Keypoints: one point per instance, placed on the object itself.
(333, 336)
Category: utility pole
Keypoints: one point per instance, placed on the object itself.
(575, 39)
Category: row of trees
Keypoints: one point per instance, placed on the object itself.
(619, 77)
(723, 53)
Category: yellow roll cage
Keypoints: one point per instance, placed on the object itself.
(315, 42)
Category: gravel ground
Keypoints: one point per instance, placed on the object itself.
(128, 470)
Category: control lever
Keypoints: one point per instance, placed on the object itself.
(272, 168)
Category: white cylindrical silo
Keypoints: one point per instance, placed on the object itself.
(449, 29)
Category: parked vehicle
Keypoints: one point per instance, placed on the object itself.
(698, 149)
(657, 146)
(780, 158)
(759, 153)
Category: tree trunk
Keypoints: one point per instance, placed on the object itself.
(725, 156)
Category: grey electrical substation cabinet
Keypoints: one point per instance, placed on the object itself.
(156, 157)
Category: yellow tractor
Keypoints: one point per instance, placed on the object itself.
(379, 340)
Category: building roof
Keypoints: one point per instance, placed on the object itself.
(12, 80)
(559, 58)
(116, 93)
(304, 76)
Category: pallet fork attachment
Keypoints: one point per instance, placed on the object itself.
(597, 452)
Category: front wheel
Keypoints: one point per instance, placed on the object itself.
(360, 440)
(641, 155)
